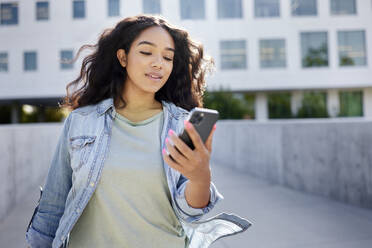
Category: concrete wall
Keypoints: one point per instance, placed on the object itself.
(25, 153)
(331, 158)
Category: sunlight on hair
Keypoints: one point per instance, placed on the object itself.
(65, 112)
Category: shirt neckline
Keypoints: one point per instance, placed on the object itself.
(137, 123)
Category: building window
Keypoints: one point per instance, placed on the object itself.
(113, 8)
(233, 54)
(272, 53)
(266, 8)
(42, 11)
(30, 61)
(3, 62)
(352, 48)
(343, 7)
(66, 57)
(351, 103)
(229, 9)
(151, 6)
(314, 49)
(79, 9)
(192, 9)
(9, 13)
(304, 7)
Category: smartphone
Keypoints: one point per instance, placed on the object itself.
(203, 120)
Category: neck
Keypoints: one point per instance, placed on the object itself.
(139, 101)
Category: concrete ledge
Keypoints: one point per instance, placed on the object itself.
(330, 157)
(25, 153)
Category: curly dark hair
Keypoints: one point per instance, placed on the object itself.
(102, 75)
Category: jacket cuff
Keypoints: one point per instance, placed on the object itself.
(180, 198)
(36, 239)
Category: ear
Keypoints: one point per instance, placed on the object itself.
(122, 57)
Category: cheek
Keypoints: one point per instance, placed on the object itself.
(135, 67)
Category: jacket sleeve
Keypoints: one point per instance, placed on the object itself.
(45, 220)
(191, 214)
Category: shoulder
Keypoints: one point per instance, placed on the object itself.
(84, 120)
(84, 114)
(85, 110)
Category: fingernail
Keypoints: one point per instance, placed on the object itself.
(214, 127)
(166, 140)
(164, 152)
(170, 132)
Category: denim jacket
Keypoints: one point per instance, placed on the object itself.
(76, 168)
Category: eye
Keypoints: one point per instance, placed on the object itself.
(145, 53)
(169, 59)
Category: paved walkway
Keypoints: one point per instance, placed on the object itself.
(282, 218)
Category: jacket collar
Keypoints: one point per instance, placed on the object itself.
(105, 105)
(108, 103)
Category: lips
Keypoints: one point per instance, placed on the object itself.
(154, 75)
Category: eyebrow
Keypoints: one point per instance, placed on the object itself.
(152, 44)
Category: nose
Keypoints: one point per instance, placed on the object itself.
(158, 62)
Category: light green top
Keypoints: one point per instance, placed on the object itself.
(131, 206)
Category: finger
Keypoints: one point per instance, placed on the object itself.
(171, 162)
(208, 142)
(194, 136)
(180, 145)
(176, 155)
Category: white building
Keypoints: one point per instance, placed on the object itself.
(259, 46)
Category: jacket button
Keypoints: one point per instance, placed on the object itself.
(92, 184)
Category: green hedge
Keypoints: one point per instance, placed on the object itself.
(279, 105)
(351, 103)
(230, 105)
(314, 105)
(237, 106)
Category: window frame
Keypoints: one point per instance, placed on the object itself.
(364, 46)
(245, 66)
(342, 14)
(285, 53)
(36, 11)
(66, 66)
(113, 14)
(293, 14)
(221, 8)
(14, 7)
(33, 69)
(185, 18)
(152, 12)
(74, 13)
(267, 16)
(7, 61)
(327, 47)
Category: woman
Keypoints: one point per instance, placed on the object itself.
(112, 182)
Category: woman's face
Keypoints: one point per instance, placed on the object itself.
(149, 62)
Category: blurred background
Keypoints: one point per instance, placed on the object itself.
(293, 85)
(274, 59)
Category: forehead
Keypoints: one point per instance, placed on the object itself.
(156, 35)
